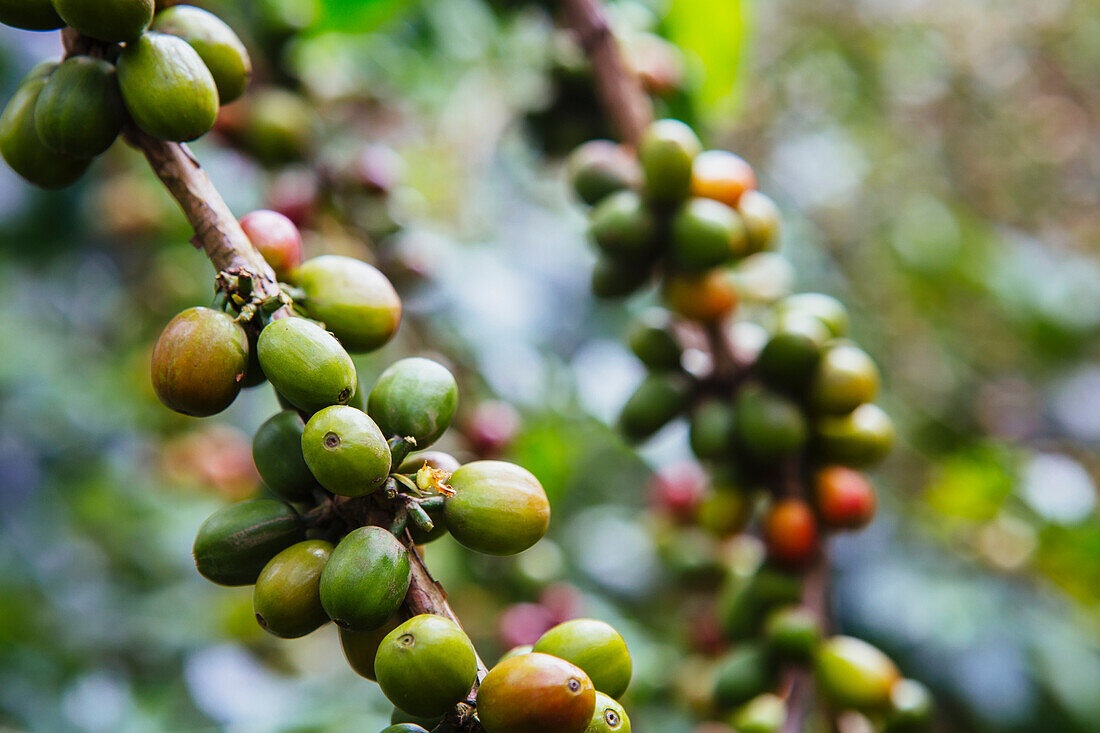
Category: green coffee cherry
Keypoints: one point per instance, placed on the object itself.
(167, 89)
(609, 716)
(237, 541)
(346, 451)
(826, 308)
(763, 714)
(23, 149)
(911, 708)
(666, 152)
(793, 632)
(845, 378)
(743, 673)
(107, 20)
(306, 364)
(277, 453)
(706, 234)
(656, 401)
(279, 126)
(199, 361)
(353, 299)
(599, 168)
(854, 674)
(792, 353)
(652, 340)
(612, 278)
(286, 598)
(498, 508)
(537, 693)
(623, 227)
(713, 432)
(761, 218)
(859, 439)
(414, 398)
(769, 426)
(405, 728)
(744, 601)
(80, 111)
(30, 15)
(360, 647)
(426, 665)
(366, 579)
(216, 44)
(596, 648)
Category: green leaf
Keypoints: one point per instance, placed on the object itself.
(715, 33)
(360, 16)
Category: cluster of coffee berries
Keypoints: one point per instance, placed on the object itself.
(674, 207)
(168, 75)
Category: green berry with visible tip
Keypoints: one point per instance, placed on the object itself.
(667, 151)
(498, 508)
(365, 579)
(167, 88)
(345, 451)
(353, 299)
(107, 20)
(235, 543)
(199, 362)
(277, 453)
(426, 665)
(30, 15)
(596, 648)
(286, 598)
(20, 144)
(609, 716)
(414, 398)
(80, 113)
(306, 364)
(216, 44)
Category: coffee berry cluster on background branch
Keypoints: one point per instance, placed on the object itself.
(355, 492)
(782, 401)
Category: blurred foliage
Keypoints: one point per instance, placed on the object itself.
(938, 168)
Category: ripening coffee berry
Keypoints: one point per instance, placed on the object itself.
(790, 532)
(706, 234)
(609, 716)
(365, 579)
(761, 217)
(286, 597)
(722, 176)
(235, 543)
(107, 20)
(353, 299)
(498, 508)
(854, 674)
(666, 152)
(306, 364)
(277, 239)
(844, 497)
(414, 398)
(426, 665)
(596, 648)
(216, 44)
(199, 362)
(345, 451)
(535, 693)
(167, 88)
(845, 378)
(277, 453)
(704, 297)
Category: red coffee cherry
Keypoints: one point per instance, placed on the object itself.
(678, 491)
(845, 498)
(790, 532)
(277, 239)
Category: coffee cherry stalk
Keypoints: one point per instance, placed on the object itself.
(778, 397)
(356, 491)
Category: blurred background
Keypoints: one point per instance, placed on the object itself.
(938, 168)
